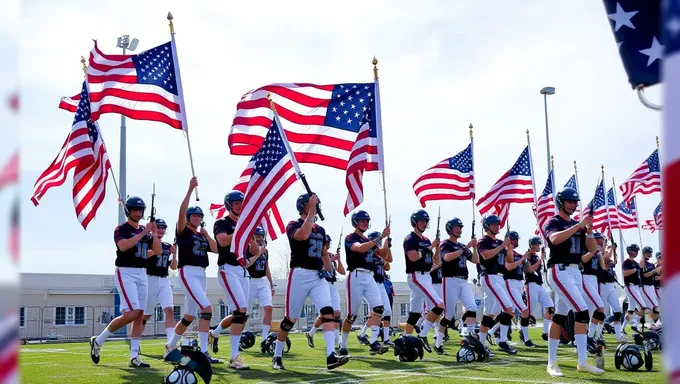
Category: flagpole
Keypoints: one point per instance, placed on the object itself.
(180, 94)
(472, 160)
(531, 165)
(578, 188)
(552, 168)
(616, 204)
(99, 132)
(606, 205)
(293, 160)
(660, 165)
(381, 147)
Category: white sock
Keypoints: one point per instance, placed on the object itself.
(216, 332)
(386, 333)
(598, 330)
(617, 330)
(439, 339)
(312, 331)
(265, 330)
(345, 336)
(494, 328)
(337, 335)
(103, 336)
(203, 339)
(134, 347)
(174, 339)
(375, 331)
(636, 321)
(525, 331)
(168, 334)
(552, 350)
(363, 330)
(504, 333)
(592, 327)
(278, 352)
(329, 337)
(581, 342)
(546, 325)
(420, 321)
(436, 327)
(235, 341)
(426, 328)
(482, 338)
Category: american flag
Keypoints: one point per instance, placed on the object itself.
(515, 186)
(545, 205)
(9, 174)
(272, 221)
(450, 179)
(645, 180)
(599, 209)
(656, 223)
(573, 183)
(9, 348)
(627, 216)
(364, 153)
(146, 86)
(612, 211)
(273, 172)
(321, 122)
(83, 150)
(69, 103)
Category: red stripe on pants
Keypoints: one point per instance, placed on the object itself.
(564, 290)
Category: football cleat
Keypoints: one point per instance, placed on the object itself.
(488, 352)
(529, 344)
(212, 359)
(544, 336)
(490, 339)
(310, 340)
(343, 352)
(213, 342)
(238, 364)
(426, 344)
(505, 347)
(377, 349)
(138, 363)
(94, 349)
(277, 364)
(589, 368)
(333, 361)
(389, 343)
(439, 350)
(554, 370)
(363, 340)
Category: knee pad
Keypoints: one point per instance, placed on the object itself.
(599, 316)
(206, 316)
(524, 322)
(413, 318)
(327, 310)
(631, 312)
(326, 320)
(351, 318)
(337, 320)
(239, 317)
(467, 314)
(560, 320)
(551, 311)
(617, 317)
(505, 318)
(582, 317)
(387, 318)
(286, 324)
(488, 322)
(185, 322)
(438, 311)
(444, 322)
(143, 321)
(379, 310)
(655, 311)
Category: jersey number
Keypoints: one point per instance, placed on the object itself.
(142, 249)
(369, 256)
(315, 248)
(260, 263)
(162, 261)
(575, 248)
(501, 257)
(200, 248)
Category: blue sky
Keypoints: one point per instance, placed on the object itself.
(442, 65)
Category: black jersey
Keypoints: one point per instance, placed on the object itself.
(259, 268)
(157, 265)
(306, 253)
(657, 282)
(436, 276)
(192, 249)
(356, 259)
(458, 266)
(333, 274)
(134, 257)
(225, 225)
(517, 273)
(494, 265)
(413, 242)
(379, 269)
(592, 266)
(646, 267)
(570, 251)
(608, 275)
(535, 276)
(634, 278)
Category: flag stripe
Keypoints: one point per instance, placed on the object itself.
(449, 179)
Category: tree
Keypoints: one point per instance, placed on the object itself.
(280, 265)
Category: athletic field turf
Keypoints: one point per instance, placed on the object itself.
(70, 363)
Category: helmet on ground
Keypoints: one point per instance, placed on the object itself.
(408, 348)
(247, 340)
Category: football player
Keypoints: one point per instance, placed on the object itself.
(513, 274)
(647, 273)
(592, 263)
(261, 284)
(133, 241)
(533, 284)
(608, 282)
(631, 279)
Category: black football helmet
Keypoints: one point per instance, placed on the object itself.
(630, 357)
(408, 348)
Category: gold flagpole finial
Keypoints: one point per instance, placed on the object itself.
(528, 141)
(83, 61)
(657, 142)
(271, 102)
(375, 68)
(171, 25)
(613, 181)
(574, 165)
(552, 162)
(602, 168)
(470, 131)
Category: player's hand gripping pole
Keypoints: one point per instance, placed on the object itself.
(152, 218)
(439, 219)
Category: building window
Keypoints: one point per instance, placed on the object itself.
(22, 317)
(366, 311)
(177, 312)
(224, 310)
(69, 316)
(159, 314)
(404, 308)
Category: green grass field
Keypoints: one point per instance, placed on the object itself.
(70, 363)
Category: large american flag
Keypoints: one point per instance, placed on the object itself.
(273, 172)
(450, 179)
(321, 122)
(545, 205)
(656, 223)
(599, 209)
(146, 86)
(515, 186)
(645, 180)
(9, 174)
(627, 217)
(272, 221)
(364, 152)
(85, 151)
(573, 183)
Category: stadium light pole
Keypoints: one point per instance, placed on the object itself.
(126, 44)
(545, 92)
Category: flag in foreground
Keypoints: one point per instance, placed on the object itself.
(645, 180)
(515, 186)
(272, 173)
(545, 205)
(145, 86)
(450, 179)
(599, 209)
(83, 150)
(321, 122)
